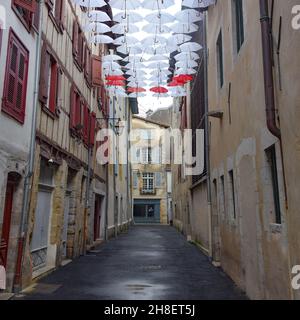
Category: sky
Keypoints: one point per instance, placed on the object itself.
(150, 102)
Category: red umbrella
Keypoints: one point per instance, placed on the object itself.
(175, 83)
(137, 89)
(159, 90)
(116, 83)
(183, 78)
(115, 78)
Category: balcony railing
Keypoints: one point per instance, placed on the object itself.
(148, 192)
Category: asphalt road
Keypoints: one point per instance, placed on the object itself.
(148, 263)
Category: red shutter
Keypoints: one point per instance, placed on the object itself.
(59, 12)
(44, 75)
(36, 18)
(29, 5)
(15, 85)
(85, 123)
(53, 87)
(96, 71)
(75, 38)
(93, 128)
(72, 107)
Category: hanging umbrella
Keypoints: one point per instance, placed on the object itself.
(131, 17)
(184, 27)
(183, 78)
(178, 39)
(154, 40)
(137, 95)
(111, 57)
(129, 40)
(187, 56)
(123, 28)
(126, 49)
(136, 89)
(160, 95)
(186, 64)
(135, 73)
(97, 39)
(134, 84)
(161, 49)
(98, 16)
(110, 65)
(197, 3)
(125, 5)
(115, 78)
(115, 83)
(157, 4)
(158, 57)
(159, 18)
(158, 64)
(189, 15)
(160, 72)
(156, 28)
(97, 27)
(159, 90)
(190, 46)
(185, 71)
(90, 3)
(114, 72)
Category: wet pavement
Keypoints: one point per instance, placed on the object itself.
(148, 263)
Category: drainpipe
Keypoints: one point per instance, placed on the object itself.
(30, 169)
(268, 69)
(207, 138)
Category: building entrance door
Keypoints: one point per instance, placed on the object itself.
(147, 211)
(97, 217)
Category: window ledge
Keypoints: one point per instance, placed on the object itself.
(53, 115)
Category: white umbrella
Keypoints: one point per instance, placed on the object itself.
(190, 46)
(125, 5)
(137, 95)
(131, 17)
(156, 28)
(110, 65)
(197, 3)
(98, 16)
(162, 49)
(187, 56)
(178, 39)
(125, 49)
(184, 27)
(185, 71)
(161, 95)
(115, 72)
(186, 64)
(90, 3)
(136, 73)
(137, 84)
(157, 4)
(158, 57)
(101, 39)
(134, 58)
(111, 57)
(158, 64)
(97, 27)
(124, 28)
(129, 40)
(157, 73)
(160, 18)
(154, 40)
(189, 15)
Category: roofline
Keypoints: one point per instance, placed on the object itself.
(151, 121)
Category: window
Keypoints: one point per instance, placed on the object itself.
(78, 45)
(148, 182)
(222, 196)
(146, 155)
(56, 12)
(220, 66)
(135, 180)
(75, 111)
(50, 80)
(238, 23)
(25, 10)
(232, 194)
(272, 172)
(15, 83)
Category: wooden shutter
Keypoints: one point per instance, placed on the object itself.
(73, 99)
(50, 4)
(135, 180)
(44, 75)
(75, 38)
(87, 64)
(36, 18)
(15, 85)
(60, 13)
(158, 179)
(86, 118)
(53, 86)
(96, 71)
(29, 5)
(93, 128)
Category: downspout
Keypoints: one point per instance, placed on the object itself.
(268, 69)
(207, 138)
(30, 169)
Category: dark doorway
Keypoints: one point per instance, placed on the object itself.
(97, 217)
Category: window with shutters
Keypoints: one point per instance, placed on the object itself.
(96, 71)
(75, 111)
(87, 64)
(15, 84)
(148, 183)
(78, 45)
(50, 78)
(25, 10)
(56, 13)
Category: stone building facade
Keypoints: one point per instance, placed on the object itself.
(252, 221)
(18, 35)
(149, 173)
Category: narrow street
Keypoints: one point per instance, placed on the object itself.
(148, 263)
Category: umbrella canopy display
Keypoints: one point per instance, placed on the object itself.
(136, 89)
(159, 90)
(98, 16)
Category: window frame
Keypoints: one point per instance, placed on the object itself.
(220, 60)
